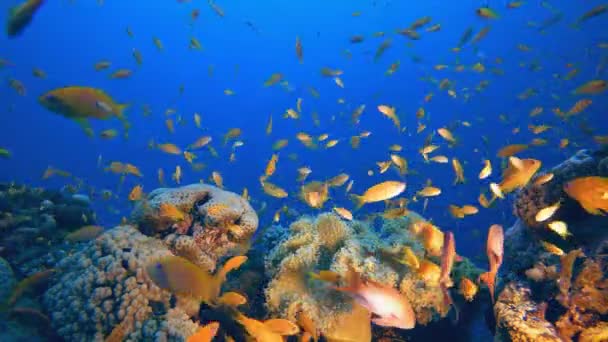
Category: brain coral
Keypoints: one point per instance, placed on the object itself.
(216, 223)
(328, 243)
(102, 291)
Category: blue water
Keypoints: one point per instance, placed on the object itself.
(66, 38)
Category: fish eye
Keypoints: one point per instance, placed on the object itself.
(159, 266)
(51, 98)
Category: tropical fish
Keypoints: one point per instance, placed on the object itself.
(592, 87)
(590, 192)
(180, 276)
(205, 333)
(85, 233)
(494, 249)
(468, 289)
(518, 173)
(344, 213)
(390, 306)
(429, 191)
(271, 330)
(82, 103)
(594, 12)
(299, 50)
(486, 13)
(391, 114)
(20, 16)
(380, 192)
(448, 254)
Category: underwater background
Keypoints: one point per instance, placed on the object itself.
(483, 90)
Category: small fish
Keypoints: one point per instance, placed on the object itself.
(205, 333)
(547, 212)
(494, 249)
(83, 234)
(170, 148)
(380, 192)
(21, 16)
(429, 191)
(486, 171)
(486, 13)
(344, 213)
(468, 289)
(560, 228)
(136, 193)
(299, 50)
(391, 114)
(553, 249)
(390, 307)
(591, 88)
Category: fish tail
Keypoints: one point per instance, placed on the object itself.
(120, 109)
(359, 201)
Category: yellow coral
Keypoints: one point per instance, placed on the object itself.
(597, 333)
(331, 231)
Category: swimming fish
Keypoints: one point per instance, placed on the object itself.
(83, 103)
(495, 250)
(180, 276)
(590, 192)
(205, 333)
(448, 254)
(20, 16)
(390, 306)
(380, 192)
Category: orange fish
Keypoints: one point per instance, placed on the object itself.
(448, 254)
(592, 87)
(510, 150)
(206, 333)
(518, 173)
(494, 248)
(392, 309)
(590, 192)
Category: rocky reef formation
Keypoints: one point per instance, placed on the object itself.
(102, 291)
(329, 243)
(211, 223)
(564, 292)
(34, 223)
(104, 287)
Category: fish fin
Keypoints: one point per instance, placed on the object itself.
(358, 200)
(86, 126)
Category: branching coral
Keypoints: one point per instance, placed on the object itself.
(212, 222)
(328, 243)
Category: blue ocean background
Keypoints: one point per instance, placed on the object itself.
(66, 38)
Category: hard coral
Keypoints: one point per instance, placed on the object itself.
(102, 291)
(217, 223)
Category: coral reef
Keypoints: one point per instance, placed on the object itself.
(34, 221)
(535, 197)
(576, 299)
(214, 222)
(328, 243)
(519, 319)
(102, 290)
(7, 280)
